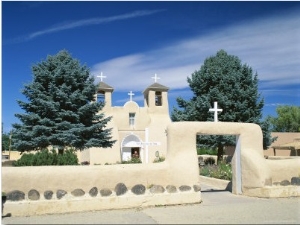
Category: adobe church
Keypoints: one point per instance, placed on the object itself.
(137, 130)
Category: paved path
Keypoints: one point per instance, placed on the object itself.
(218, 207)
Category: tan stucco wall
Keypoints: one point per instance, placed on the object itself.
(282, 138)
(12, 155)
(255, 172)
(179, 168)
(284, 169)
(68, 178)
(154, 118)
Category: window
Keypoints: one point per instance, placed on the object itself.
(100, 96)
(158, 98)
(131, 119)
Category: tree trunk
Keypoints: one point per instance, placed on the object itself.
(61, 151)
(220, 152)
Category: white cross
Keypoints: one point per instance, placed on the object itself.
(101, 76)
(155, 78)
(130, 94)
(215, 110)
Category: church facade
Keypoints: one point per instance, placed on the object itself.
(138, 131)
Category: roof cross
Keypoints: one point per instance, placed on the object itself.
(101, 77)
(155, 78)
(130, 94)
(215, 110)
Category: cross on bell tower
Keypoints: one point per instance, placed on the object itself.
(101, 77)
(155, 78)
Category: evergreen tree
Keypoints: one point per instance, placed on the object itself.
(5, 141)
(224, 79)
(60, 111)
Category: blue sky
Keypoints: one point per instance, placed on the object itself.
(130, 41)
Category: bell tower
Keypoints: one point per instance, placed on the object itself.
(156, 98)
(104, 92)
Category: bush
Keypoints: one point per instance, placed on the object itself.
(210, 161)
(47, 158)
(159, 159)
(132, 160)
(221, 171)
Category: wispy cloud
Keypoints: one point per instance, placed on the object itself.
(86, 22)
(270, 46)
(281, 92)
(31, 4)
(274, 104)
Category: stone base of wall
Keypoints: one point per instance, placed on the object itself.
(284, 189)
(273, 191)
(88, 203)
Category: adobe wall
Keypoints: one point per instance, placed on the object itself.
(180, 170)
(61, 189)
(282, 138)
(254, 170)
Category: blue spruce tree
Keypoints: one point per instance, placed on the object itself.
(224, 79)
(60, 110)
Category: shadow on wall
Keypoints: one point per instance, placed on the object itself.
(8, 163)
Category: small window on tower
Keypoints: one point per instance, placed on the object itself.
(158, 98)
(100, 96)
(131, 119)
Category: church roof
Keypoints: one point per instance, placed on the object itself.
(157, 87)
(104, 87)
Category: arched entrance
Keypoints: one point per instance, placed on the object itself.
(131, 147)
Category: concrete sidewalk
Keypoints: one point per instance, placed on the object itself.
(218, 207)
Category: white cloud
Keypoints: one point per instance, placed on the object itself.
(281, 92)
(85, 22)
(274, 104)
(270, 46)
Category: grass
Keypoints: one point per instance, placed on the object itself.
(207, 151)
(221, 171)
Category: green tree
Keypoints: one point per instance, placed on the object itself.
(288, 119)
(5, 141)
(60, 111)
(224, 79)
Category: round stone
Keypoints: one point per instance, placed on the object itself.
(120, 189)
(78, 192)
(93, 192)
(138, 189)
(105, 192)
(16, 196)
(184, 188)
(48, 194)
(157, 189)
(60, 194)
(171, 189)
(33, 195)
